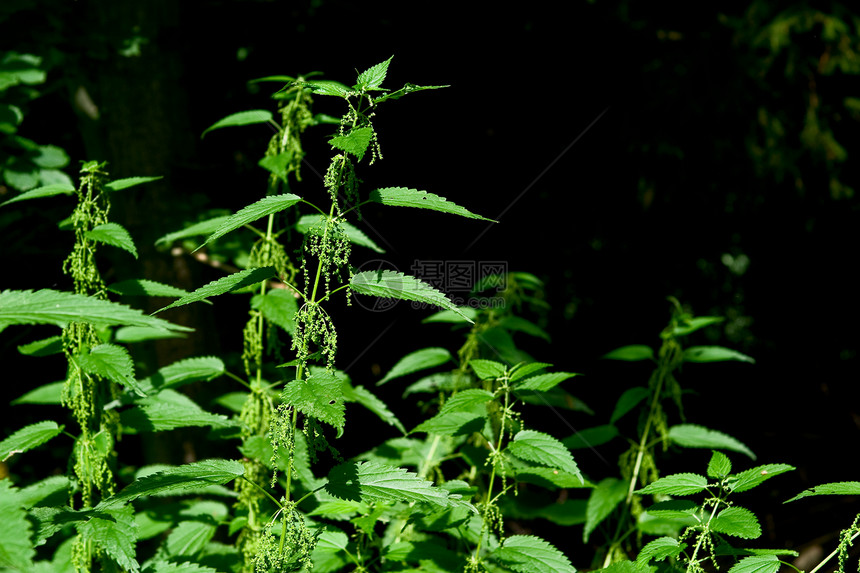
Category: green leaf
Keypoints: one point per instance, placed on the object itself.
(60, 308)
(836, 488)
(625, 567)
(375, 482)
(112, 362)
(327, 87)
(28, 438)
(737, 521)
(750, 478)
(416, 361)
(183, 567)
(279, 307)
(277, 164)
(673, 509)
(372, 78)
(113, 234)
(487, 369)
(694, 436)
(179, 480)
(257, 210)
(189, 538)
(51, 157)
(16, 547)
(590, 437)
(188, 370)
(659, 549)
(472, 400)
(168, 410)
(121, 184)
(144, 287)
(714, 354)
(523, 370)
(407, 89)
(206, 227)
(354, 142)
(517, 324)
(628, 400)
(544, 382)
(452, 423)
(223, 285)
(531, 554)
(676, 484)
(366, 398)
(463, 314)
(603, 500)
(693, 324)
(720, 465)
(48, 394)
(320, 397)
(543, 449)
(241, 118)
(632, 353)
(391, 284)
(129, 334)
(316, 224)
(757, 564)
(44, 347)
(39, 192)
(406, 197)
(115, 534)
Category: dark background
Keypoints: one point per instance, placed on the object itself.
(720, 171)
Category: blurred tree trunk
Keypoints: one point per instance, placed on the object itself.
(141, 128)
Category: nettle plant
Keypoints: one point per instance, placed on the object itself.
(364, 514)
(438, 496)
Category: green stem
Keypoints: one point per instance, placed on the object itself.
(655, 400)
(834, 553)
(262, 489)
(489, 500)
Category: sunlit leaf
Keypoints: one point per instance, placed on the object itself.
(632, 353)
(180, 479)
(752, 477)
(603, 500)
(320, 397)
(257, 210)
(206, 227)
(694, 436)
(39, 192)
(714, 354)
(392, 284)
(676, 484)
(120, 184)
(836, 488)
(531, 554)
(28, 438)
(223, 285)
(542, 449)
(737, 521)
(112, 362)
(372, 78)
(60, 308)
(374, 482)
(241, 118)
(659, 549)
(354, 142)
(16, 548)
(417, 361)
(406, 197)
